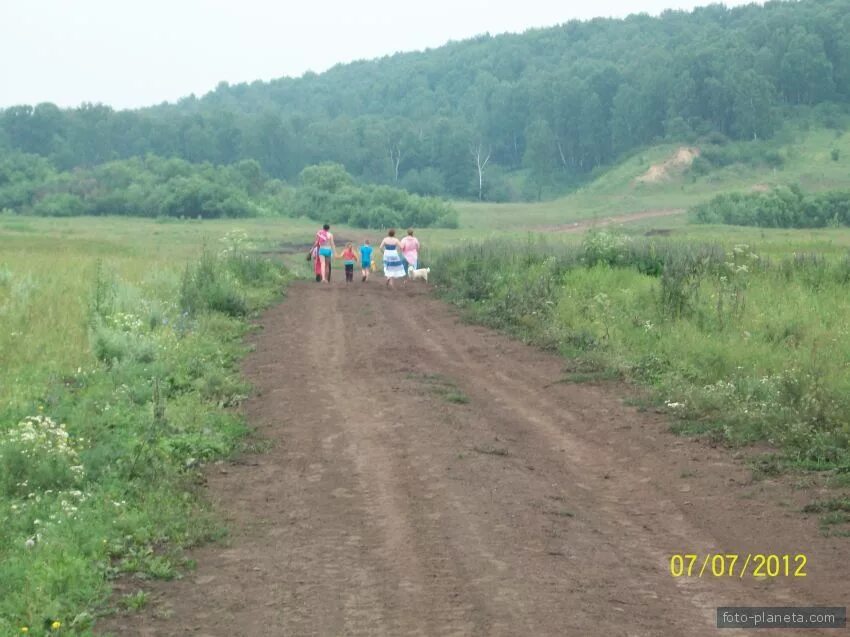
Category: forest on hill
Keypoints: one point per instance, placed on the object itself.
(505, 117)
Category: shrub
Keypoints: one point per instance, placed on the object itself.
(111, 344)
(780, 208)
(59, 205)
(37, 455)
(604, 247)
(384, 217)
(328, 193)
(210, 285)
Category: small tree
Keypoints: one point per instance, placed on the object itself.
(481, 160)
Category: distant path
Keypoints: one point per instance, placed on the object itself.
(389, 506)
(584, 224)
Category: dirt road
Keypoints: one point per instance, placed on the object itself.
(429, 477)
(601, 222)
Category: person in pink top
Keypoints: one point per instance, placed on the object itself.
(324, 243)
(410, 251)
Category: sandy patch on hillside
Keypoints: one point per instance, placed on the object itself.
(674, 165)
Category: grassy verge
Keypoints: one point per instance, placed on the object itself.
(121, 369)
(736, 346)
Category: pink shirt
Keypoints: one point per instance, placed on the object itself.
(410, 248)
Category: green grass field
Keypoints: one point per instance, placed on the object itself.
(128, 332)
(46, 265)
(119, 345)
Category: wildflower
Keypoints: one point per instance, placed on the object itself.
(56, 625)
(30, 543)
(24, 630)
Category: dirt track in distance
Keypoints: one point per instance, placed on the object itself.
(429, 477)
(584, 224)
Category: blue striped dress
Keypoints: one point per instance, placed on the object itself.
(393, 267)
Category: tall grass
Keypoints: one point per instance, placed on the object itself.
(114, 394)
(738, 347)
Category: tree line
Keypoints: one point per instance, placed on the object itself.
(783, 207)
(153, 186)
(506, 117)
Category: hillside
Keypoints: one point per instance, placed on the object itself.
(463, 120)
(804, 156)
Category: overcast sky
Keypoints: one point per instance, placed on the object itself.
(130, 53)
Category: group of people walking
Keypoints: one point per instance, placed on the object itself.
(398, 256)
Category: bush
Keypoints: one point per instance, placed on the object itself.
(116, 345)
(37, 455)
(384, 217)
(59, 205)
(150, 187)
(210, 286)
(779, 208)
(751, 153)
(327, 193)
(604, 247)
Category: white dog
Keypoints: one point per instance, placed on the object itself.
(421, 273)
